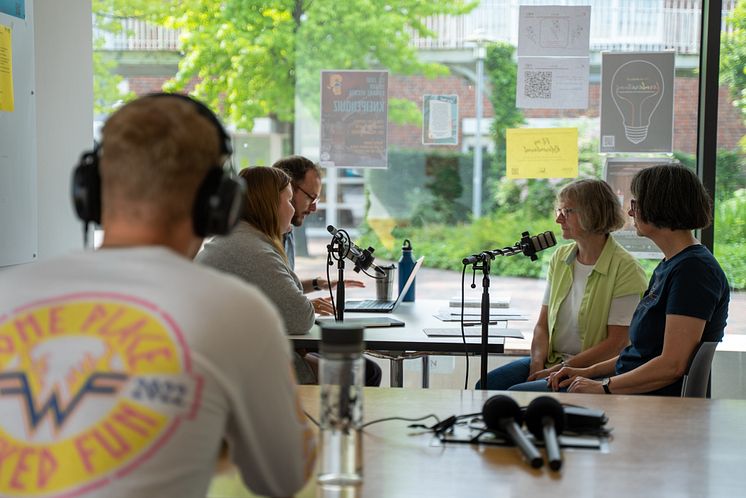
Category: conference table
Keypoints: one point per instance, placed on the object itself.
(399, 343)
(660, 447)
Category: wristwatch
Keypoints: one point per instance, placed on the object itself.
(315, 284)
(605, 384)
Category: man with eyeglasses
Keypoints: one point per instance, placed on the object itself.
(306, 180)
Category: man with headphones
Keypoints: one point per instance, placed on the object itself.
(124, 370)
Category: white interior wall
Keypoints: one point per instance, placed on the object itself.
(64, 115)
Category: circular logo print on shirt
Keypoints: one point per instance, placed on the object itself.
(91, 386)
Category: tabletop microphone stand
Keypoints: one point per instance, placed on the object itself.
(337, 246)
(482, 261)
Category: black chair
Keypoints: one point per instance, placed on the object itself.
(696, 381)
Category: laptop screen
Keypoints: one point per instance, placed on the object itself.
(409, 282)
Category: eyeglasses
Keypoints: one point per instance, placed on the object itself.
(564, 211)
(314, 199)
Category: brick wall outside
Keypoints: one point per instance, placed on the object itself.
(730, 129)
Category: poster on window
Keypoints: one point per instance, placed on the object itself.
(15, 8)
(618, 174)
(552, 83)
(440, 119)
(541, 153)
(554, 30)
(354, 115)
(637, 102)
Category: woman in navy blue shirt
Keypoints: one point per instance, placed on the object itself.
(686, 302)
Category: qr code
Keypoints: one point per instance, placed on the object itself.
(538, 84)
(608, 141)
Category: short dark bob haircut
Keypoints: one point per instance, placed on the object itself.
(671, 196)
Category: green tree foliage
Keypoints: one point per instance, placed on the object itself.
(251, 58)
(733, 57)
(106, 92)
(501, 71)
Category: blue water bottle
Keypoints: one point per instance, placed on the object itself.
(406, 265)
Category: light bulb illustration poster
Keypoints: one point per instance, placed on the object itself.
(637, 102)
(354, 115)
(542, 153)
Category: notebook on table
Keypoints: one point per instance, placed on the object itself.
(381, 305)
(367, 322)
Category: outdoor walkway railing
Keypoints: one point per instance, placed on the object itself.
(615, 25)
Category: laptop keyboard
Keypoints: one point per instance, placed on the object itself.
(372, 304)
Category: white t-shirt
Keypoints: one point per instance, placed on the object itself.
(567, 339)
(122, 370)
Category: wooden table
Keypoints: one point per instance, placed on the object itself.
(400, 343)
(661, 447)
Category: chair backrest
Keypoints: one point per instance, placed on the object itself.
(696, 382)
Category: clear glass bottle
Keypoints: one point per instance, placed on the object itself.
(341, 371)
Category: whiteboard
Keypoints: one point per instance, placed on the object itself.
(18, 172)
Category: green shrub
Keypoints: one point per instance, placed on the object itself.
(732, 258)
(445, 245)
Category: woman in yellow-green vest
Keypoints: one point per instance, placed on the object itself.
(593, 288)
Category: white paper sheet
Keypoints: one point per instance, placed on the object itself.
(552, 83)
(553, 30)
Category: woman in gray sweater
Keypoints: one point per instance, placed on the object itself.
(254, 252)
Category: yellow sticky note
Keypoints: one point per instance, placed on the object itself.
(542, 153)
(6, 70)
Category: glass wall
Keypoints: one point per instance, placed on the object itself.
(260, 65)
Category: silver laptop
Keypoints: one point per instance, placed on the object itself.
(380, 305)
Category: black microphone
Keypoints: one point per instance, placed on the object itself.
(362, 258)
(501, 413)
(531, 245)
(528, 245)
(545, 418)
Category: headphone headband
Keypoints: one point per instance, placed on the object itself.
(219, 199)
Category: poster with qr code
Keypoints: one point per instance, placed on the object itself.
(554, 30)
(552, 83)
(637, 90)
(542, 153)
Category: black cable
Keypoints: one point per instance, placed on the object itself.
(405, 419)
(387, 419)
(313, 420)
(463, 334)
(373, 276)
(329, 263)
(85, 235)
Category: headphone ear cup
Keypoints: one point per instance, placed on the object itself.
(219, 203)
(86, 188)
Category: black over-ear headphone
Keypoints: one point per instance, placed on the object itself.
(218, 204)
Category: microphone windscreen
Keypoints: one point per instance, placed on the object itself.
(499, 408)
(544, 406)
(543, 241)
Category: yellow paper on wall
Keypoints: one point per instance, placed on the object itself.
(6, 70)
(542, 153)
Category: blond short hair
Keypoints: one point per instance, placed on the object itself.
(155, 153)
(599, 210)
